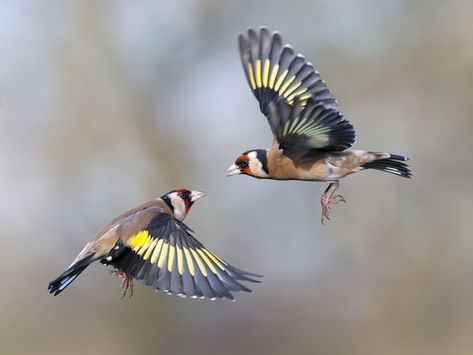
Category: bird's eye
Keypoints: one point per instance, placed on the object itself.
(243, 164)
(185, 195)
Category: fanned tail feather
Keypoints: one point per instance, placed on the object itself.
(390, 163)
(65, 279)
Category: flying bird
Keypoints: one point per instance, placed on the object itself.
(311, 137)
(150, 243)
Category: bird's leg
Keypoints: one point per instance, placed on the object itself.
(328, 198)
(127, 282)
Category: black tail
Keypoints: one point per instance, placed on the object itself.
(394, 164)
(59, 284)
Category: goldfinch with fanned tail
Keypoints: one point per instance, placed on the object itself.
(150, 243)
(311, 136)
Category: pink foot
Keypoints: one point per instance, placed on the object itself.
(328, 199)
(327, 202)
(127, 282)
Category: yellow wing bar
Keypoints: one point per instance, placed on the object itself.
(276, 81)
(161, 253)
(274, 70)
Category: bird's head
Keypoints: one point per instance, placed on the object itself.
(180, 201)
(252, 162)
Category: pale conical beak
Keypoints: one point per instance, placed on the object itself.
(233, 170)
(195, 195)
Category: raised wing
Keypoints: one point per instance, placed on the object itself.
(275, 71)
(166, 256)
(299, 130)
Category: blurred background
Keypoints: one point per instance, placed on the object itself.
(106, 104)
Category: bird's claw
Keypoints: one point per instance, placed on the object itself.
(337, 198)
(126, 284)
(327, 202)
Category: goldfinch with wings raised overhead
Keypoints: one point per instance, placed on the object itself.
(151, 244)
(311, 136)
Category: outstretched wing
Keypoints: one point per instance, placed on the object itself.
(274, 71)
(166, 256)
(298, 130)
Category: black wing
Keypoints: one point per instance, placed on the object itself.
(166, 256)
(299, 130)
(275, 71)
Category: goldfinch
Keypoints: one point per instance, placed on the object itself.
(150, 243)
(311, 136)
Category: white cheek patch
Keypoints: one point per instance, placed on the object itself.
(252, 155)
(179, 206)
(256, 166)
